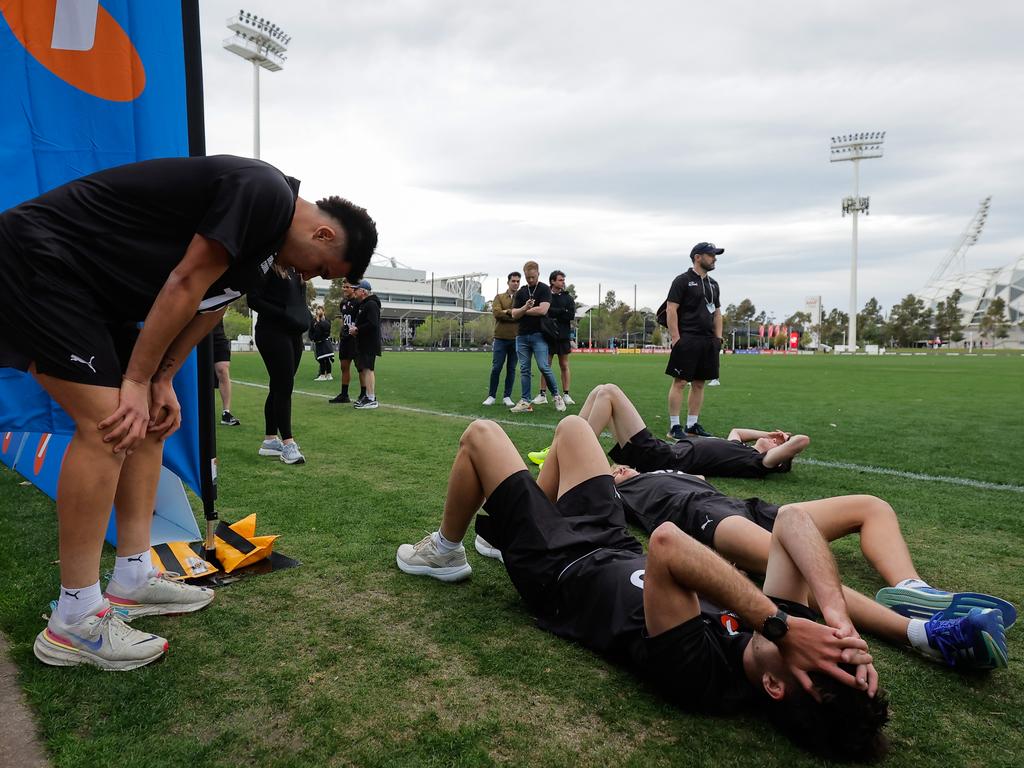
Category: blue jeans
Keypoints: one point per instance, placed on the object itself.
(503, 357)
(536, 345)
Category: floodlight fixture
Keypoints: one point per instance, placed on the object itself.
(264, 44)
(855, 147)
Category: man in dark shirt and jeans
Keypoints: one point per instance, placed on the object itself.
(567, 552)
(694, 314)
(532, 303)
(563, 312)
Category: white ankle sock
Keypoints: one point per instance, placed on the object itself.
(918, 638)
(133, 571)
(443, 545)
(912, 584)
(690, 421)
(673, 421)
(73, 605)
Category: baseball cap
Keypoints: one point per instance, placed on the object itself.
(365, 285)
(706, 248)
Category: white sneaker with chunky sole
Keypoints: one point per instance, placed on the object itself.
(161, 595)
(102, 640)
(424, 559)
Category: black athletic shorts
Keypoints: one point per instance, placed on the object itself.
(559, 347)
(538, 539)
(365, 361)
(646, 453)
(347, 348)
(58, 327)
(221, 345)
(700, 519)
(694, 358)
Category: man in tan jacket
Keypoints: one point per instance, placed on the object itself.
(505, 329)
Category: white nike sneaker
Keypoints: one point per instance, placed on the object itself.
(424, 559)
(509, 402)
(568, 400)
(102, 640)
(489, 401)
(559, 403)
(541, 399)
(161, 595)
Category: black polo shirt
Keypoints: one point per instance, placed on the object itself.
(539, 293)
(693, 293)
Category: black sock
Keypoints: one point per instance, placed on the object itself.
(344, 390)
(362, 391)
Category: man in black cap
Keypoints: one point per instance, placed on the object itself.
(366, 330)
(694, 314)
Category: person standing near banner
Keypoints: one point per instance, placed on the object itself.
(694, 314)
(283, 318)
(170, 242)
(348, 310)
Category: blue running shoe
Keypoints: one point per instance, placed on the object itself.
(972, 642)
(925, 602)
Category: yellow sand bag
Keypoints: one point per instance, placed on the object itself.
(179, 558)
(239, 546)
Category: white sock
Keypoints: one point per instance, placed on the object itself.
(690, 421)
(133, 571)
(912, 584)
(443, 545)
(673, 421)
(918, 638)
(371, 397)
(73, 605)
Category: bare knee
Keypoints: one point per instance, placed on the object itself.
(877, 510)
(663, 539)
(697, 386)
(571, 427)
(478, 433)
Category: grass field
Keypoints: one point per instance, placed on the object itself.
(347, 661)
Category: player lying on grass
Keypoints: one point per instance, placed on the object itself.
(570, 557)
(607, 407)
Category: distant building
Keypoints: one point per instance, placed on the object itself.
(408, 296)
(979, 289)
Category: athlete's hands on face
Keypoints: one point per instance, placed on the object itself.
(865, 673)
(131, 418)
(812, 647)
(164, 410)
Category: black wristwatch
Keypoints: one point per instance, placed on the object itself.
(775, 627)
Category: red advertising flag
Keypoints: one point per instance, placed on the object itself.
(760, 331)
(794, 340)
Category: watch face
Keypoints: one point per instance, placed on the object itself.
(775, 627)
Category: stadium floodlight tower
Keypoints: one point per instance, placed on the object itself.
(855, 147)
(264, 44)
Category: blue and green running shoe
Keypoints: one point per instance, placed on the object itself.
(925, 602)
(972, 642)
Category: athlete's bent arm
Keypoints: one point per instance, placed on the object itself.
(672, 318)
(205, 260)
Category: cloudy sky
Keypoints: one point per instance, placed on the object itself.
(606, 138)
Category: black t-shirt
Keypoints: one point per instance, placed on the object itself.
(601, 606)
(118, 233)
(348, 309)
(664, 494)
(728, 458)
(539, 293)
(693, 294)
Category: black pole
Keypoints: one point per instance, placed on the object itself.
(204, 350)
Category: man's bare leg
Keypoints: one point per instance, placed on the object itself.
(574, 457)
(135, 497)
(223, 371)
(675, 398)
(346, 372)
(563, 367)
(88, 479)
(695, 399)
(607, 407)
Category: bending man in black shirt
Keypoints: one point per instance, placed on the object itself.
(170, 242)
(570, 557)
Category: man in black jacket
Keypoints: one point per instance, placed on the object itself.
(562, 311)
(366, 329)
(348, 309)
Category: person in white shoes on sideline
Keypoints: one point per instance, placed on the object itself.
(562, 311)
(504, 344)
(532, 303)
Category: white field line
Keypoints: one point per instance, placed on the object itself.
(867, 469)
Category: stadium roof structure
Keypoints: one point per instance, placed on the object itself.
(979, 289)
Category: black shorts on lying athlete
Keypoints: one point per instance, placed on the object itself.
(539, 538)
(695, 506)
(696, 455)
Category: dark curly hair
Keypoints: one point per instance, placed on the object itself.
(360, 229)
(846, 726)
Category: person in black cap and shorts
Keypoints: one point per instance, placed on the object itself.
(366, 330)
(170, 243)
(585, 578)
(348, 310)
(222, 371)
(694, 315)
